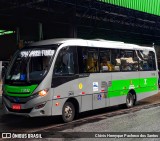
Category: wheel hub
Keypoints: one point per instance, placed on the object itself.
(130, 100)
(68, 112)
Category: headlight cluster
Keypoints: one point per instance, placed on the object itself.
(43, 92)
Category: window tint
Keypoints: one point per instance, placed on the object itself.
(105, 60)
(152, 60)
(147, 60)
(128, 60)
(88, 60)
(38, 66)
(65, 63)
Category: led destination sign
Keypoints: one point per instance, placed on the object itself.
(37, 53)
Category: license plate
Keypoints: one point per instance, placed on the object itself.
(16, 106)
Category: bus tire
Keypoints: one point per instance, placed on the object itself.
(130, 100)
(68, 112)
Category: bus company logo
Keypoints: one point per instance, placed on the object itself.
(6, 135)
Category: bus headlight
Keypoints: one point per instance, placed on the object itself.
(43, 92)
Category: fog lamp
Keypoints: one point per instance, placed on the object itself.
(41, 105)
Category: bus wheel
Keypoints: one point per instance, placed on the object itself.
(130, 100)
(68, 112)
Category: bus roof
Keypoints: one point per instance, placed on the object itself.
(91, 43)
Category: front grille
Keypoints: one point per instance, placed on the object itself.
(20, 111)
(18, 92)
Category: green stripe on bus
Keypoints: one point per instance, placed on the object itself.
(118, 88)
(122, 87)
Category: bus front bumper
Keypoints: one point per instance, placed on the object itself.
(32, 108)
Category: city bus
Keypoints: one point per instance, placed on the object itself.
(69, 76)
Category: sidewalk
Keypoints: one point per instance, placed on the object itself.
(150, 100)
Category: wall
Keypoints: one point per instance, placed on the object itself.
(148, 6)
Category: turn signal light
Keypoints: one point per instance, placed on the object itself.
(43, 92)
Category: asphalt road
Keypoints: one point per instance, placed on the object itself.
(145, 117)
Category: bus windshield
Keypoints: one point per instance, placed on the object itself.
(30, 65)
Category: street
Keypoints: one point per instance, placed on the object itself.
(142, 118)
(146, 120)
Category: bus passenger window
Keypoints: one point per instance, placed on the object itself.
(128, 60)
(105, 60)
(65, 62)
(88, 60)
(151, 60)
(147, 60)
(125, 66)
